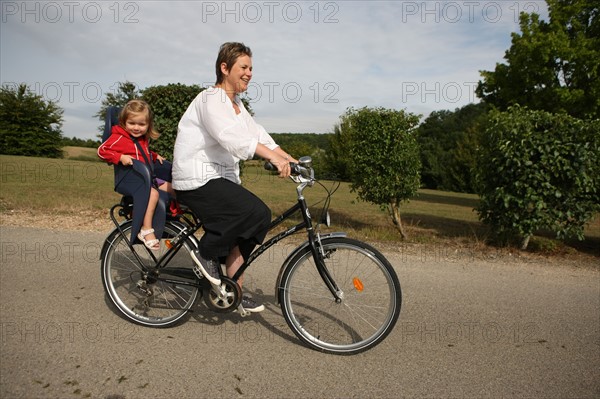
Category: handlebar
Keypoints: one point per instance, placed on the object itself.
(304, 174)
(293, 166)
(302, 169)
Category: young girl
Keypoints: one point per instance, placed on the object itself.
(135, 124)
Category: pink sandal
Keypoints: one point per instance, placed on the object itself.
(153, 244)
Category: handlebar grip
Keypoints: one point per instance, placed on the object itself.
(270, 167)
(293, 166)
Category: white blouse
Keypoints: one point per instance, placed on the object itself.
(212, 139)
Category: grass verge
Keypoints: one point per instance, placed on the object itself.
(69, 186)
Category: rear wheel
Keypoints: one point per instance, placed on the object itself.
(365, 315)
(138, 290)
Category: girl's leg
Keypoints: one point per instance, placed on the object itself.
(166, 186)
(147, 223)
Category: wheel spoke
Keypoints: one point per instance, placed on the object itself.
(140, 295)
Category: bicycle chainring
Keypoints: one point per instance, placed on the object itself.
(229, 302)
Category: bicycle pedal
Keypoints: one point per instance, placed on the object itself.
(243, 312)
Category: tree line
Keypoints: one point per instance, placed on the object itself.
(529, 148)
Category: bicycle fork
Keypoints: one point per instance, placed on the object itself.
(319, 256)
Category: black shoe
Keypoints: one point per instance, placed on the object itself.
(206, 268)
(251, 306)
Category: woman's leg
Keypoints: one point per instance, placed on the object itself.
(231, 216)
(234, 221)
(233, 262)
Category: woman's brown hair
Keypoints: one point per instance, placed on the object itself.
(229, 53)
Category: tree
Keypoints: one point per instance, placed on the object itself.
(447, 142)
(336, 162)
(29, 125)
(168, 104)
(300, 144)
(551, 66)
(77, 142)
(538, 170)
(126, 91)
(383, 156)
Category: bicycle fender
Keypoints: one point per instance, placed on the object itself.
(176, 225)
(111, 237)
(292, 255)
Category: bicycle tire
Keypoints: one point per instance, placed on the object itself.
(362, 319)
(135, 292)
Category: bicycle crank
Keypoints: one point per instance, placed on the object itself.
(225, 298)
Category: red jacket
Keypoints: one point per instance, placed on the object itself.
(119, 143)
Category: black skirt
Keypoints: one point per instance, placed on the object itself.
(231, 216)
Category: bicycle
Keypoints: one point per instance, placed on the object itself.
(338, 295)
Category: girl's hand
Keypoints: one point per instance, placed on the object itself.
(159, 158)
(126, 160)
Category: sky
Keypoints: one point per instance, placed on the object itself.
(312, 60)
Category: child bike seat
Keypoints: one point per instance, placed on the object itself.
(135, 182)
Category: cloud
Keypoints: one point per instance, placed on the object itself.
(312, 60)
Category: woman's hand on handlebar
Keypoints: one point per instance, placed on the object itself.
(277, 157)
(283, 165)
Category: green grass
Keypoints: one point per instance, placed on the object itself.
(81, 154)
(63, 186)
(55, 185)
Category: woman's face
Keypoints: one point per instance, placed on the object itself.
(239, 75)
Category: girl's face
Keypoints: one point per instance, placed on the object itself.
(239, 75)
(137, 124)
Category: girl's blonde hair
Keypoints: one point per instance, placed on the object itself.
(139, 107)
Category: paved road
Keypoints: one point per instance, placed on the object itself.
(470, 327)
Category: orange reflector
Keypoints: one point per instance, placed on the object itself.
(168, 244)
(358, 284)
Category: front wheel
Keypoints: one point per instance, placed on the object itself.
(365, 315)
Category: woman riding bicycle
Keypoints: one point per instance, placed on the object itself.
(214, 134)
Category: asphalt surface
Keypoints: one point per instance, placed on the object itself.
(471, 326)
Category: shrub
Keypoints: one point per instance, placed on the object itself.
(538, 170)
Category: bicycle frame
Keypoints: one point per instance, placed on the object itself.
(188, 229)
